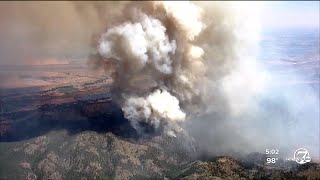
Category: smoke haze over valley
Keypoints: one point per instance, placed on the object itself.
(184, 81)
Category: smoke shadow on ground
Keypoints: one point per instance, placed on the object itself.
(75, 117)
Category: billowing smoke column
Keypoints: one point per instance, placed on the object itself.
(179, 67)
(174, 59)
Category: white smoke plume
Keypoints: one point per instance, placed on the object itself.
(178, 66)
(154, 109)
(174, 59)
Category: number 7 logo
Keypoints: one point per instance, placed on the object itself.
(305, 158)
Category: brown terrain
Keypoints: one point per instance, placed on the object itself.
(61, 123)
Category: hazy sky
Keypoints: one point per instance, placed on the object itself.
(284, 14)
(32, 30)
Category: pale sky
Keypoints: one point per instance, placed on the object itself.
(286, 14)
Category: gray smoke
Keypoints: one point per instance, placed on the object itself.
(190, 67)
(36, 31)
(181, 67)
(173, 59)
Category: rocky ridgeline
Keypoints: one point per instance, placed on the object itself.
(90, 155)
